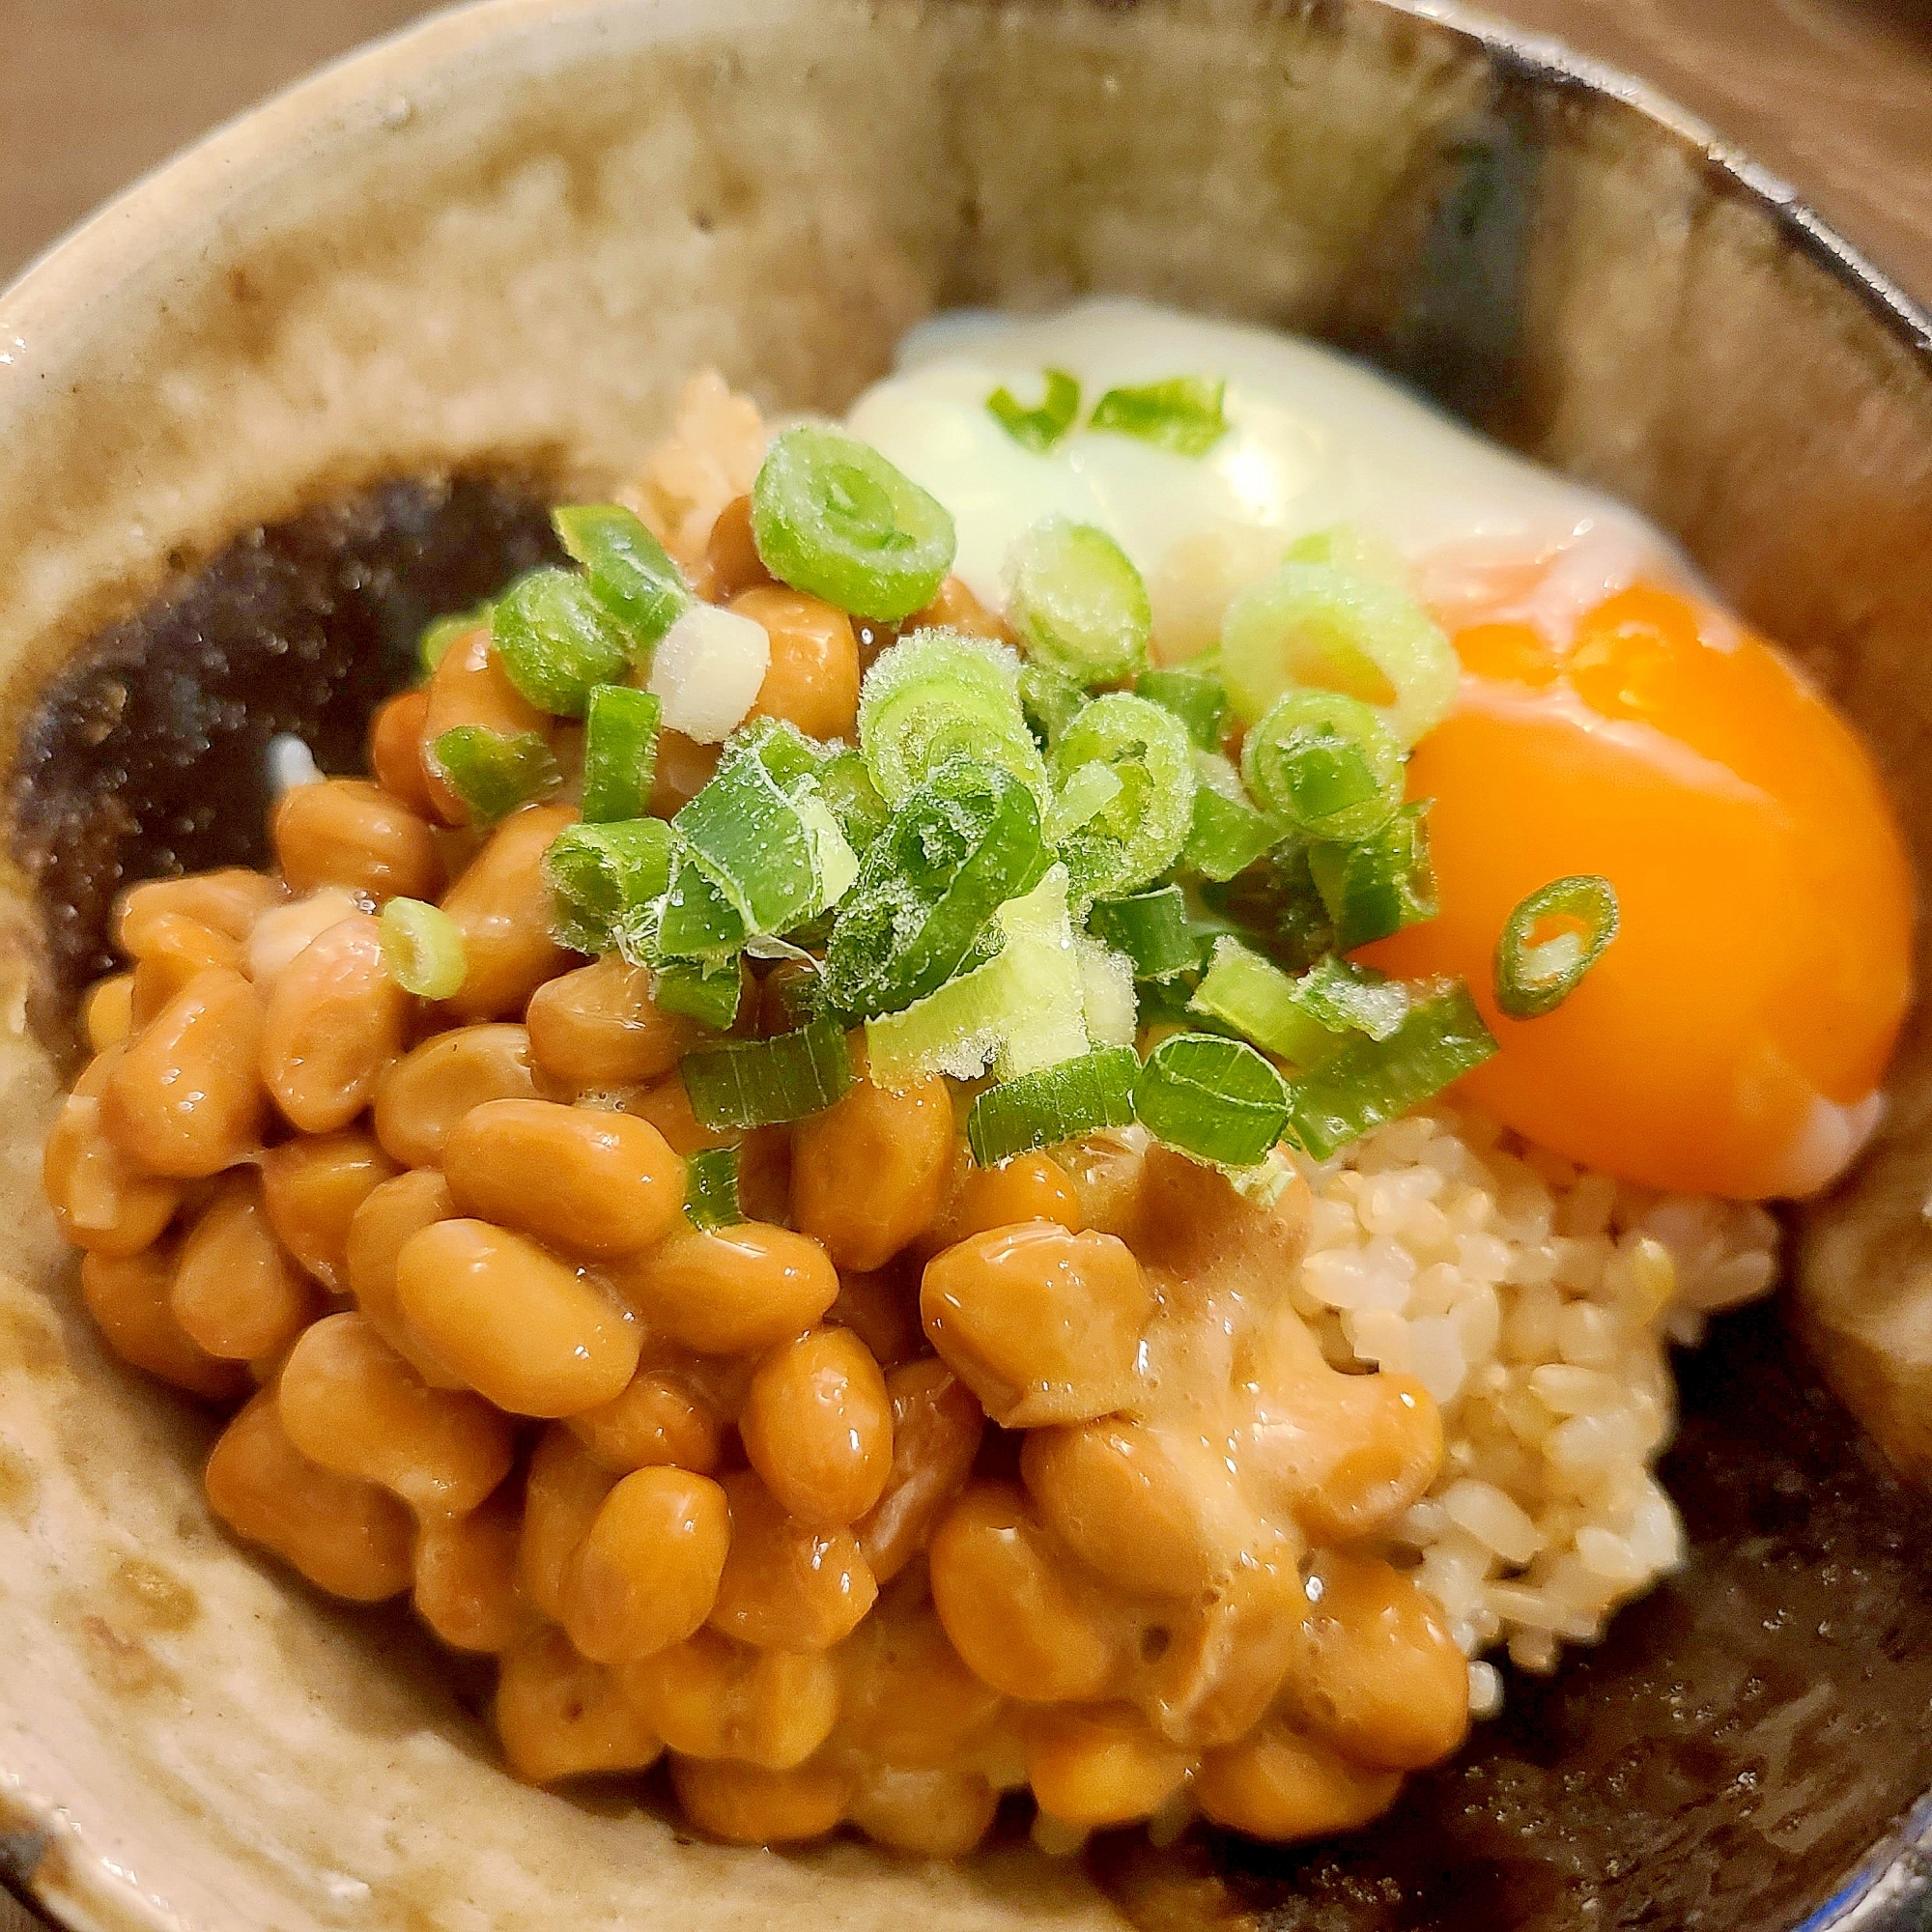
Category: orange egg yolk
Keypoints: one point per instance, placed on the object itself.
(1732, 1037)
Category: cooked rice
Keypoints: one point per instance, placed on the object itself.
(1536, 1301)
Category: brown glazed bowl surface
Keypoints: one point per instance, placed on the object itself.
(319, 376)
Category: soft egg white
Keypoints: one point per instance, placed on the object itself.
(1316, 440)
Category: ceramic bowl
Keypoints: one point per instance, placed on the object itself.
(265, 409)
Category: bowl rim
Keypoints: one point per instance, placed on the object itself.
(1891, 1889)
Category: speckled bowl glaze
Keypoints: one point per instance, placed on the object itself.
(492, 248)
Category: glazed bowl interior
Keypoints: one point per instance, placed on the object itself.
(490, 251)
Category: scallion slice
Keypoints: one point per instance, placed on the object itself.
(1038, 429)
(1195, 693)
(1324, 766)
(693, 921)
(1184, 413)
(1047, 1014)
(782, 748)
(1373, 1081)
(1078, 603)
(1310, 626)
(709, 994)
(1150, 928)
(423, 947)
(1059, 1104)
(1214, 1099)
(601, 877)
(1251, 994)
(847, 787)
(620, 752)
(1025, 1008)
(1106, 992)
(441, 631)
(935, 697)
(1088, 791)
(775, 852)
(1379, 885)
(831, 517)
(764, 1083)
(1138, 835)
(1225, 833)
(1538, 969)
(557, 640)
(1049, 702)
(631, 574)
(494, 771)
(711, 1188)
(955, 851)
(1355, 553)
(1353, 999)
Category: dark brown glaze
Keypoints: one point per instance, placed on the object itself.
(145, 756)
(1724, 1760)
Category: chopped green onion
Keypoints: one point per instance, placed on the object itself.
(631, 574)
(1038, 430)
(1056, 1105)
(1304, 1020)
(1355, 553)
(710, 994)
(423, 947)
(847, 787)
(831, 517)
(1214, 1099)
(954, 1030)
(620, 752)
(1379, 885)
(1150, 928)
(693, 921)
(1324, 766)
(442, 632)
(1353, 999)
(1025, 1007)
(1225, 833)
(1534, 976)
(955, 851)
(1310, 627)
(1184, 413)
(1089, 790)
(602, 876)
(1138, 835)
(556, 640)
(1373, 1081)
(1106, 992)
(764, 1083)
(1277, 900)
(1195, 693)
(1047, 1021)
(1049, 702)
(1165, 1002)
(935, 697)
(494, 771)
(782, 748)
(1243, 990)
(774, 853)
(1078, 603)
(711, 1188)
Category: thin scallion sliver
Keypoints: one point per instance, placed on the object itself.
(1054, 1104)
(764, 1083)
(1535, 977)
(1214, 1099)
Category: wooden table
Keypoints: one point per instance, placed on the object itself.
(1834, 95)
